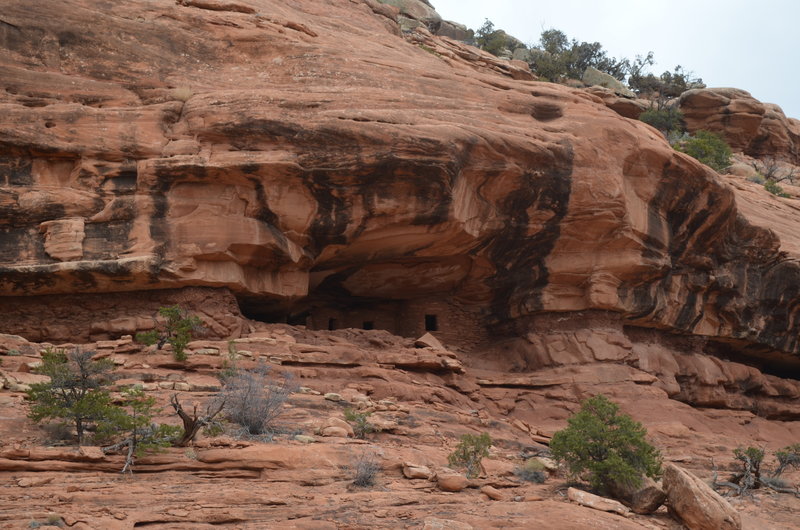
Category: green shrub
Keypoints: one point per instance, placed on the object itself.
(133, 420)
(360, 422)
(470, 451)
(75, 392)
(489, 39)
(605, 447)
(667, 85)
(772, 187)
(708, 148)
(556, 58)
(787, 457)
(665, 120)
(177, 330)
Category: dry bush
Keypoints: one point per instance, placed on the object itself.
(254, 398)
(365, 468)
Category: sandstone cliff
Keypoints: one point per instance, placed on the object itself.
(319, 166)
(332, 164)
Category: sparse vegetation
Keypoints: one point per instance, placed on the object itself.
(557, 58)
(531, 471)
(769, 168)
(772, 187)
(751, 475)
(75, 393)
(605, 447)
(489, 39)
(660, 88)
(229, 368)
(709, 148)
(360, 422)
(255, 398)
(470, 451)
(365, 468)
(667, 120)
(787, 457)
(52, 520)
(177, 330)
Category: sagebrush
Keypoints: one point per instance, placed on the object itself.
(255, 398)
(365, 469)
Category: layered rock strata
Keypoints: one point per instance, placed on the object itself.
(315, 162)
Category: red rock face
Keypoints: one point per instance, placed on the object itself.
(320, 166)
(748, 125)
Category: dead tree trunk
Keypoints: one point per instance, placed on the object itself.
(193, 423)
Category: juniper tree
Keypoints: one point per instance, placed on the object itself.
(75, 393)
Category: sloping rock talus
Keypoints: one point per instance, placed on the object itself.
(327, 169)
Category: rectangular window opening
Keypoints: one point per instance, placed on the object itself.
(332, 324)
(431, 323)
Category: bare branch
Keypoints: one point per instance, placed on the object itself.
(193, 423)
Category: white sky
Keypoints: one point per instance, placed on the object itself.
(747, 44)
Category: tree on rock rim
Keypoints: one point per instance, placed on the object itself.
(605, 447)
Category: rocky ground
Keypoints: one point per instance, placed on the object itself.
(422, 398)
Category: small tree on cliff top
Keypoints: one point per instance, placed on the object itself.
(605, 447)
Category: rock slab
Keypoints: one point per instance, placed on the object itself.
(697, 505)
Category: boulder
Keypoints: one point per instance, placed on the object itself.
(452, 482)
(696, 504)
(590, 500)
(731, 112)
(428, 341)
(454, 30)
(416, 471)
(624, 106)
(336, 427)
(644, 499)
(417, 10)
(493, 493)
(592, 76)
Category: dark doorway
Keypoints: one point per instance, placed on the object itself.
(431, 323)
(332, 324)
(368, 324)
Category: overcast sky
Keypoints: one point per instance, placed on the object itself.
(751, 44)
